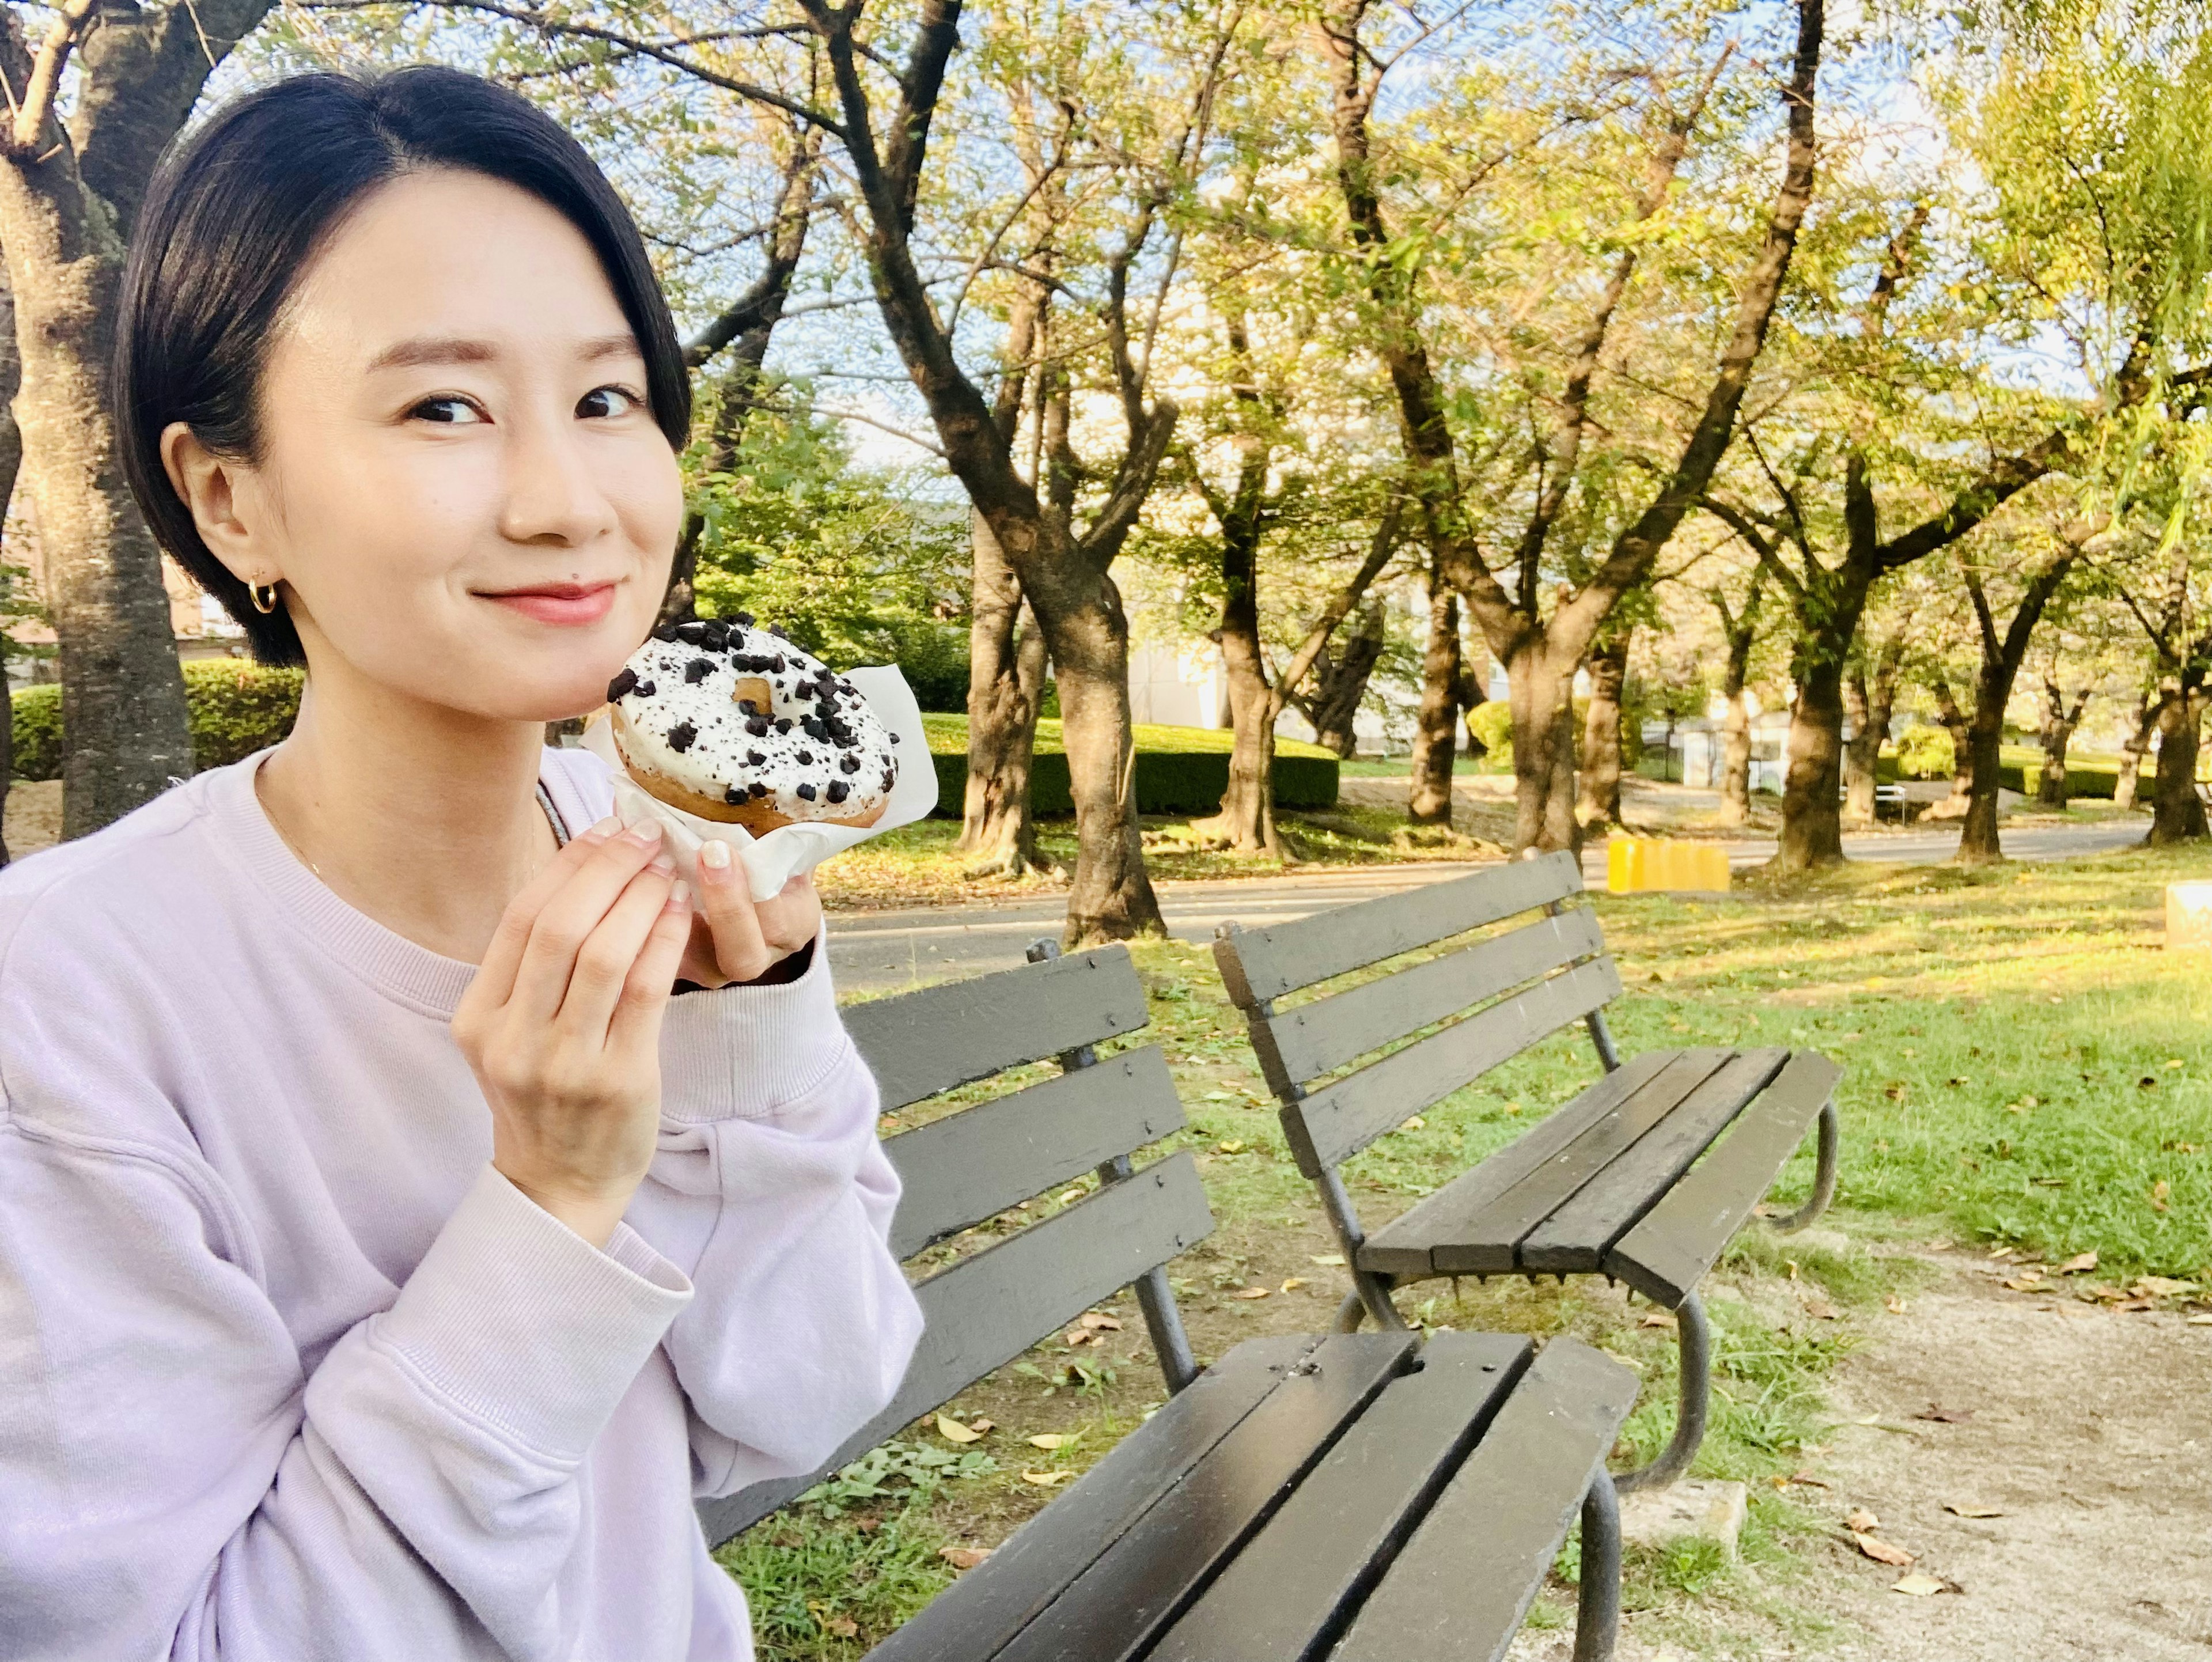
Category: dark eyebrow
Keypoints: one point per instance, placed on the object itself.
(441, 350)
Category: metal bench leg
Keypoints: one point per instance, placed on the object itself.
(1696, 1337)
(1163, 1321)
(1597, 1606)
(1824, 1178)
(1370, 1296)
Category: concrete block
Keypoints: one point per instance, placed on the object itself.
(2188, 916)
(1695, 1506)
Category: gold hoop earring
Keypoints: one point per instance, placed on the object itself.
(254, 593)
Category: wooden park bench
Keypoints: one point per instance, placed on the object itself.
(1890, 798)
(1356, 1497)
(1633, 1179)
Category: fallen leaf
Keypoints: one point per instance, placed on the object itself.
(2174, 1062)
(867, 1524)
(843, 1626)
(2003, 1252)
(1920, 1585)
(963, 1558)
(1966, 1509)
(1881, 1551)
(2200, 1321)
(2159, 1191)
(1804, 1477)
(1895, 1091)
(1050, 1440)
(979, 1425)
(1218, 1096)
(1942, 1416)
(1249, 1292)
(1860, 1521)
(953, 1431)
(1079, 1336)
(1820, 1310)
(1092, 1318)
(2023, 1284)
(2080, 1263)
(1236, 1147)
(1047, 1479)
(1070, 1197)
(1415, 1123)
(1895, 1305)
(1292, 1283)
(1658, 1319)
(2158, 1286)
(1331, 1260)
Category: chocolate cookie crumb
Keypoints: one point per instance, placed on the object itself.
(682, 737)
(697, 671)
(839, 790)
(806, 793)
(621, 685)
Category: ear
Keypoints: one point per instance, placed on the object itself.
(219, 491)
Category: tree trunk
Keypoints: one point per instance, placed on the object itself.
(1006, 682)
(1436, 737)
(1339, 681)
(2177, 811)
(1978, 838)
(1868, 703)
(1600, 803)
(1956, 723)
(123, 694)
(2148, 710)
(1541, 694)
(1246, 821)
(2056, 734)
(1812, 832)
(1742, 632)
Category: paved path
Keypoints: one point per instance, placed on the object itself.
(877, 951)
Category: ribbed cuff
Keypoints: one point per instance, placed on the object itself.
(743, 1052)
(527, 1326)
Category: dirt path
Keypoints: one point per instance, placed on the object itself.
(2091, 1431)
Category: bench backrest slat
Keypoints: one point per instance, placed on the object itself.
(974, 1164)
(1338, 1121)
(1295, 1046)
(919, 1044)
(985, 1310)
(1259, 964)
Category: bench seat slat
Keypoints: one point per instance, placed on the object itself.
(1669, 1252)
(1292, 1587)
(1458, 1590)
(1259, 964)
(1301, 1044)
(1577, 1237)
(919, 1044)
(1402, 1246)
(976, 1616)
(1338, 1120)
(985, 1310)
(1487, 1241)
(1114, 1609)
(973, 1164)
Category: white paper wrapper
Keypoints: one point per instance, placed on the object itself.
(773, 860)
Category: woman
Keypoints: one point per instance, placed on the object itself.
(387, 1257)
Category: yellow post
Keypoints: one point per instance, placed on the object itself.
(1624, 864)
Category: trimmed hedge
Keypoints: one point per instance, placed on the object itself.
(235, 708)
(1178, 770)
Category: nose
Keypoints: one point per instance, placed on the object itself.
(551, 497)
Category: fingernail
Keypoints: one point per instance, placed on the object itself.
(662, 865)
(646, 832)
(714, 854)
(606, 827)
(679, 896)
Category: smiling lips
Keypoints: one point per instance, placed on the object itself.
(569, 604)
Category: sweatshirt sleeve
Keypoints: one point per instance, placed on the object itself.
(772, 1194)
(174, 1484)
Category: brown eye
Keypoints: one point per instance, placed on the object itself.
(603, 401)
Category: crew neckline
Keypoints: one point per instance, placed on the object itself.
(402, 969)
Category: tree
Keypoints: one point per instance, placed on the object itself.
(1739, 635)
(1600, 801)
(92, 106)
(1542, 653)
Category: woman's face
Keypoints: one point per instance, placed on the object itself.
(460, 485)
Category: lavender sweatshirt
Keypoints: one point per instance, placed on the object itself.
(288, 1372)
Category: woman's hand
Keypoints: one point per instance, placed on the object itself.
(737, 938)
(562, 1025)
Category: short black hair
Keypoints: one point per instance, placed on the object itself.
(241, 205)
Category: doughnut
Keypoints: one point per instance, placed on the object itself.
(733, 723)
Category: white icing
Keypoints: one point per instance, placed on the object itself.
(720, 756)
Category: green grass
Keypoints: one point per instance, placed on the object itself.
(948, 736)
(2045, 981)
